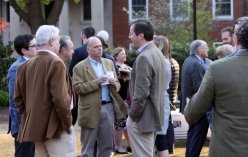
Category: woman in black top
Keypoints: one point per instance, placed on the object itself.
(124, 72)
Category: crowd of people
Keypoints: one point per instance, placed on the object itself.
(53, 86)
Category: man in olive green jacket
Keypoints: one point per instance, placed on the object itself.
(98, 104)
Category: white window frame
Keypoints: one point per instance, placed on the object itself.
(179, 18)
(224, 17)
(130, 12)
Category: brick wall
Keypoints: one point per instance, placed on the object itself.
(240, 9)
(120, 23)
(121, 28)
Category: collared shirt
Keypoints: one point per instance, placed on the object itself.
(142, 47)
(200, 59)
(203, 62)
(99, 71)
(26, 58)
(51, 52)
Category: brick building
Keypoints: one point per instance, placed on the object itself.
(114, 16)
(223, 12)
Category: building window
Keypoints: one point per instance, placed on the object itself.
(180, 9)
(86, 10)
(223, 9)
(4, 11)
(138, 9)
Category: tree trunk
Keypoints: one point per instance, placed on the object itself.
(33, 13)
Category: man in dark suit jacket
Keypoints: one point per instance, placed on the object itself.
(81, 53)
(193, 70)
(25, 46)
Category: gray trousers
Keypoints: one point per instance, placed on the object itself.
(103, 133)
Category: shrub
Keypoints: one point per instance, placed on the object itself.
(131, 56)
(5, 62)
(4, 98)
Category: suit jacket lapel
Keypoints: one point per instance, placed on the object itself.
(89, 69)
(105, 65)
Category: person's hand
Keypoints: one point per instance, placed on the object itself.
(68, 131)
(102, 79)
(112, 80)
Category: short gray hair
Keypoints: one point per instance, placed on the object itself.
(194, 46)
(45, 33)
(64, 42)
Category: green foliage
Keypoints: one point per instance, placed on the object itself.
(4, 98)
(5, 62)
(46, 2)
(131, 56)
(136, 14)
(76, 1)
(180, 32)
(21, 3)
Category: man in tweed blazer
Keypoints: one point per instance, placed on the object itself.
(146, 90)
(43, 98)
(224, 88)
(98, 104)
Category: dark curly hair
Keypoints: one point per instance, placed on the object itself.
(242, 34)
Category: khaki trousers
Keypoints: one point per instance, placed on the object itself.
(142, 144)
(64, 146)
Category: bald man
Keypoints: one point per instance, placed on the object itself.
(96, 83)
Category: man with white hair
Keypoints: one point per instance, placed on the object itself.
(43, 98)
(193, 70)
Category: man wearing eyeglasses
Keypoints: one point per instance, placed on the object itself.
(43, 98)
(25, 46)
(99, 104)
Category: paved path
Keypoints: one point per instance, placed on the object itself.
(7, 147)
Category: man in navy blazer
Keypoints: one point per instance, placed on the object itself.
(25, 46)
(193, 70)
(81, 53)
